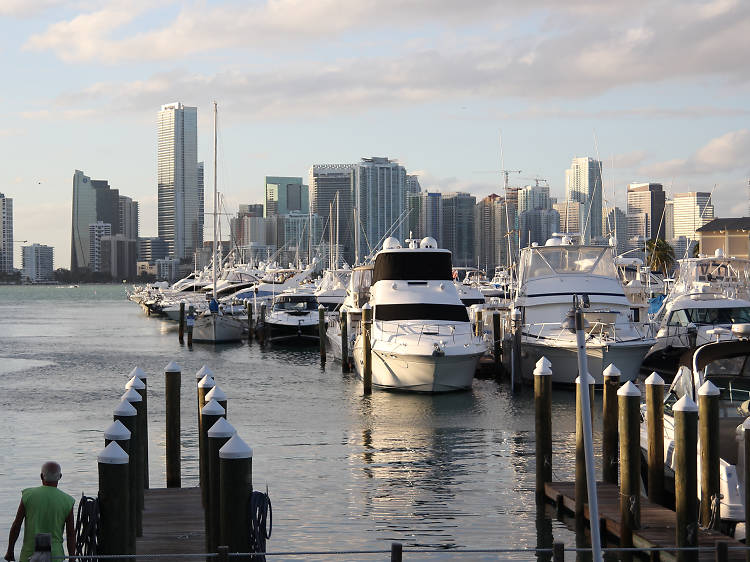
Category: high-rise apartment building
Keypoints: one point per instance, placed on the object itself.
(97, 231)
(691, 211)
(6, 234)
(38, 262)
(615, 225)
(412, 184)
(583, 184)
(458, 227)
(669, 219)
(491, 221)
(128, 220)
(647, 199)
(430, 220)
(118, 256)
(179, 207)
(331, 190)
(201, 202)
(285, 195)
(538, 225)
(571, 216)
(533, 197)
(152, 249)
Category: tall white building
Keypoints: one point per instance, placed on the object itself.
(6, 234)
(533, 197)
(128, 218)
(583, 184)
(615, 225)
(38, 262)
(97, 230)
(691, 211)
(572, 216)
(331, 191)
(180, 207)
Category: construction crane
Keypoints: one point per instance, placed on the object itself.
(506, 174)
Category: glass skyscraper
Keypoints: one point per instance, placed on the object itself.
(583, 184)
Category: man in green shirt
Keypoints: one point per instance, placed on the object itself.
(44, 509)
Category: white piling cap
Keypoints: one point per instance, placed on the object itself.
(543, 368)
(222, 428)
(708, 389)
(132, 395)
(213, 408)
(216, 393)
(746, 424)
(367, 306)
(203, 371)
(236, 448)
(206, 382)
(125, 408)
(612, 371)
(628, 389)
(138, 372)
(321, 307)
(113, 454)
(590, 379)
(117, 431)
(135, 383)
(685, 404)
(172, 368)
(654, 379)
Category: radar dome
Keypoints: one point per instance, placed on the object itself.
(428, 242)
(719, 253)
(391, 243)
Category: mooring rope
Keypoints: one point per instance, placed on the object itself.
(260, 516)
(87, 526)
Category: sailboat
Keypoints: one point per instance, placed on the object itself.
(213, 325)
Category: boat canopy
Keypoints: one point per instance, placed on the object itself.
(551, 261)
(414, 265)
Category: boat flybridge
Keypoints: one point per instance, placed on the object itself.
(708, 298)
(421, 337)
(549, 278)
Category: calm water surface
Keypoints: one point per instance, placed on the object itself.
(344, 472)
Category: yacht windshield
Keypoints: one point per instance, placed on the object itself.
(425, 311)
(295, 304)
(417, 265)
(551, 261)
(710, 316)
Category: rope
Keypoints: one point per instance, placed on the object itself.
(87, 526)
(260, 516)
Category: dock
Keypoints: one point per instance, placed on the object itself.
(658, 523)
(172, 522)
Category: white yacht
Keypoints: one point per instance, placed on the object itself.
(357, 294)
(549, 277)
(293, 317)
(331, 290)
(709, 295)
(421, 337)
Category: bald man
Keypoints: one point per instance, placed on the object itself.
(43, 509)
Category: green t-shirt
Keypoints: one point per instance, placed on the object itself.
(47, 508)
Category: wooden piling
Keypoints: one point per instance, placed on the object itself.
(558, 552)
(210, 414)
(127, 415)
(114, 501)
(543, 424)
(143, 377)
(708, 431)
(746, 442)
(249, 310)
(516, 374)
(216, 393)
(190, 322)
(478, 327)
(117, 432)
(343, 321)
(686, 475)
(655, 429)
(581, 486)
(136, 450)
(217, 435)
(235, 487)
(367, 348)
(172, 378)
(610, 434)
(629, 399)
(497, 344)
(322, 331)
(181, 331)
(397, 552)
(139, 385)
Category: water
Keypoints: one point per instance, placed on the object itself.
(344, 471)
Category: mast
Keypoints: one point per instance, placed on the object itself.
(337, 230)
(216, 202)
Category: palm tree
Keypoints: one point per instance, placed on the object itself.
(660, 255)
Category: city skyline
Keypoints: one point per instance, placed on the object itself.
(649, 91)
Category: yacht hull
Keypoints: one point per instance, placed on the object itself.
(213, 328)
(291, 333)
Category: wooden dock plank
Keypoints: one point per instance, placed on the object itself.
(657, 523)
(172, 522)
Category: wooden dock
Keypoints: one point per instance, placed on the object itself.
(657, 523)
(172, 522)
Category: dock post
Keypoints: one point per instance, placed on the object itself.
(172, 378)
(263, 334)
(136, 450)
(141, 375)
(543, 425)
(118, 433)
(343, 321)
(181, 331)
(478, 326)
(204, 379)
(218, 435)
(249, 309)
(497, 343)
(610, 434)
(367, 348)
(558, 552)
(236, 484)
(515, 373)
(581, 486)
(322, 331)
(397, 552)
(686, 475)
(746, 442)
(114, 501)
(216, 393)
(629, 399)
(210, 414)
(655, 429)
(190, 322)
(205, 385)
(708, 421)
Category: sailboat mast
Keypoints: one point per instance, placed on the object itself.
(337, 230)
(216, 202)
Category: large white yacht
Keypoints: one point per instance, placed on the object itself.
(710, 294)
(293, 317)
(421, 337)
(549, 277)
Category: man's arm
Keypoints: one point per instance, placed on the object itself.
(15, 530)
(70, 534)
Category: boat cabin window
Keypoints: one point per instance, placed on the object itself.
(361, 280)
(550, 261)
(418, 265)
(710, 316)
(449, 312)
(295, 303)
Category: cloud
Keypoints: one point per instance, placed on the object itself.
(727, 153)
(430, 182)
(25, 8)
(11, 132)
(628, 159)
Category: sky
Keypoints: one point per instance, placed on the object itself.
(659, 91)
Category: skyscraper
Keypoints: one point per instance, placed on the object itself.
(691, 211)
(491, 233)
(538, 225)
(37, 262)
(533, 197)
(583, 184)
(326, 182)
(93, 201)
(286, 195)
(428, 217)
(128, 224)
(615, 224)
(648, 198)
(179, 207)
(6, 234)
(412, 184)
(201, 202)
(97, 231)
(571, 216)
(458, 227)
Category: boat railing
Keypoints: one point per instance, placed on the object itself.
(426, 329)
(607, 331)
